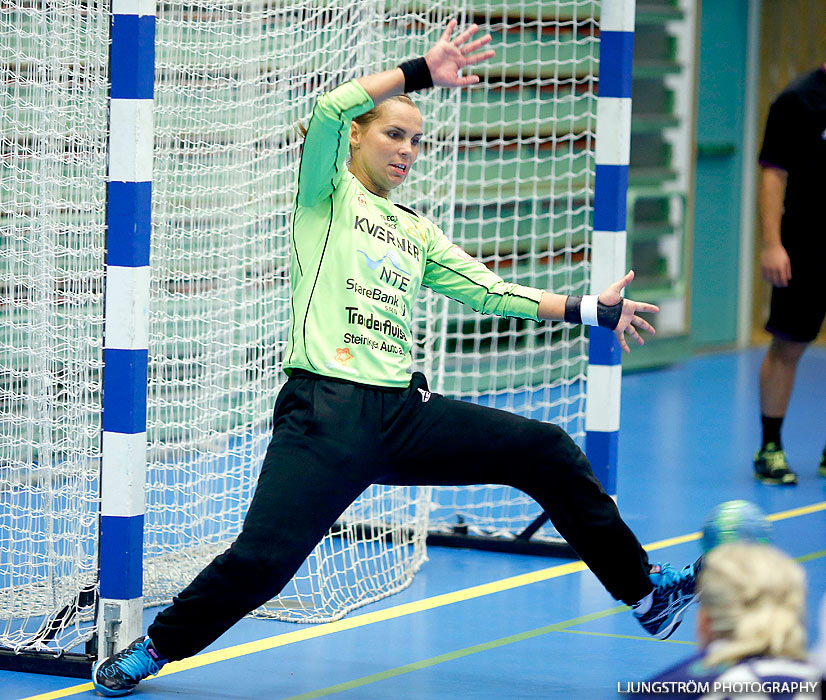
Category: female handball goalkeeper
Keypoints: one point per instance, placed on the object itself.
(351, 414)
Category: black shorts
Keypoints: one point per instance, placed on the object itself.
(797, 311)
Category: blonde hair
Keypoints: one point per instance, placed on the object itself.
(370, 115)
(755, 599)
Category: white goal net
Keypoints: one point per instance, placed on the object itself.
(524, 199)
(507, 171)
(53, 102)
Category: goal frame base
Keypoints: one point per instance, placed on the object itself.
(67, 664)
(552, 547)
(460, 538)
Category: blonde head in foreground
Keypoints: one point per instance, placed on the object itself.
(752, 603)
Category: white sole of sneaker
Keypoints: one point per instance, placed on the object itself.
(668, 630)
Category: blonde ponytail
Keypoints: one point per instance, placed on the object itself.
(754, 596)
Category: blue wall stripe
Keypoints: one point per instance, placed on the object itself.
(610, 193)
(132, 61)
(601, 448)
(616, 51)
(121, 572)
(603, 347)
(124, 390)
(129, 220)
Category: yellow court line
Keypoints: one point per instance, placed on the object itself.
(438, 601)
(795, 512)
(774, 517)
(64, 693)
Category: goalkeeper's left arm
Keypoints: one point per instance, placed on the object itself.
(451, 271)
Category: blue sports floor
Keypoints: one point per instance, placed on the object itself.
(488, 626)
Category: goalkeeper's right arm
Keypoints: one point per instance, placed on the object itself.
(440, 66)
(327, 141)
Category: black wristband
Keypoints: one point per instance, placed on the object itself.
(597, 313)
(416, 75)
(609, 316)
(572, 309)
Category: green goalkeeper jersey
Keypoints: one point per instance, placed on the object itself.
(358, 261)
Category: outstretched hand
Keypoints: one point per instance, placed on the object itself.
(448, 57)
(628, 319)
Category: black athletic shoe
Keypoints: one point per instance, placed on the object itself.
(771, 466)
(821, 470)
(119, 674)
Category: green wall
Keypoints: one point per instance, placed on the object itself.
(719, 176)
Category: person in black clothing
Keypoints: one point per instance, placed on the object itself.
(793, 160)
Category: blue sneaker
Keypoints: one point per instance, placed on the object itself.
(662, 610)
(119, 674)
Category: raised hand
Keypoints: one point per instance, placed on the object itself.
(628, 319)
(448, 56)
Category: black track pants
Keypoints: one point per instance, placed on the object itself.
(332, 439)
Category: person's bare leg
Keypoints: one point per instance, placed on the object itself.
(777, 374)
